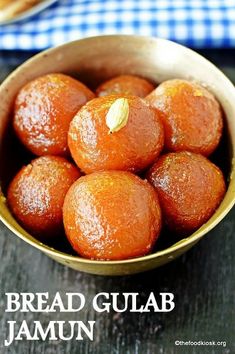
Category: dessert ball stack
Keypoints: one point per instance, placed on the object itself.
(115, 166)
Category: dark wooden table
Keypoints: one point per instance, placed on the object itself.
(203, 282)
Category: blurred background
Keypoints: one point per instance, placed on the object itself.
(203, 280)
(28, 26)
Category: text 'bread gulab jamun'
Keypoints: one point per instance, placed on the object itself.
(43, 110)
(116, 132)
(125, 84)
(191, 116)
(36, 195)
(112, 215)
(190, 188)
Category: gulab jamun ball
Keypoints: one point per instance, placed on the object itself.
(36, 195)
(191, 116)
(116, 132)
(125, 84)
(112, 215)
(43, 110)
(190, 188)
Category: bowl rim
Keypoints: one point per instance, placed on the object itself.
(187, 241)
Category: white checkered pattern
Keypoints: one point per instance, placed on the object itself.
(195, 23)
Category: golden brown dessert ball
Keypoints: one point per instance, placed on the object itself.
(133, 147)
(36, 195)
(127, 84)
(111, 215)
(190, 188)
(191, 116)
(43, 110)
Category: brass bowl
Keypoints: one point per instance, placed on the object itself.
(99, 58)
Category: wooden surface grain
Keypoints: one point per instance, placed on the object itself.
(202, 280)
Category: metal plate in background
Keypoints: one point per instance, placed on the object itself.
(27, 13)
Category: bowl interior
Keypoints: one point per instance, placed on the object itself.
(92, 61)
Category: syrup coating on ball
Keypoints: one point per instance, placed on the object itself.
(134, 147)
(43, 110)
(191, 116)
(125, 84)
(36, 195)
(112, 215)
(190, 188)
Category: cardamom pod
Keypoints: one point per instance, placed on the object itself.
(117, 115)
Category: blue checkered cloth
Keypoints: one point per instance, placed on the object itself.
(195, 23)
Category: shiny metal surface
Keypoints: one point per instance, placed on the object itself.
(14, 13)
